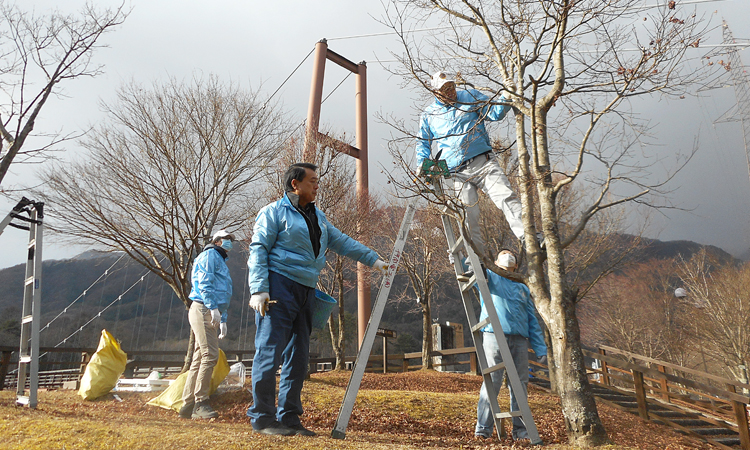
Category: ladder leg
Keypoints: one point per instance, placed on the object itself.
(345, 412)
(28, 355)
(502, 345)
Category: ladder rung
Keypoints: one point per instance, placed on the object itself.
(480, 325)
(508, 415)
(456, 245)
(494, 368)
(32, 243)
(22, 400)
(27, 319)
(24, 359)
(28, 281)
(469, 284)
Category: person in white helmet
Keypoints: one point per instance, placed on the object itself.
(211, 292)
(455, 123)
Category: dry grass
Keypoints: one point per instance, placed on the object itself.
(395, 411)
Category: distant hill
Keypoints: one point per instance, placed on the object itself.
(670, 249)
(149, 316)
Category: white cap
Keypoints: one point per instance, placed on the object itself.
(680, 293)
(439, 79)
(222, 234)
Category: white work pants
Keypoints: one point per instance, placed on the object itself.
(484, 173)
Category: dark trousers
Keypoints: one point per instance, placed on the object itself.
(282, 337)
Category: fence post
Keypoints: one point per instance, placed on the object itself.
(473, 366)
(663, 384)
(4, 363)
(640, 394)
(740, 412)
(605, 371)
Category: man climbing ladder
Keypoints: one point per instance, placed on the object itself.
(435, 171)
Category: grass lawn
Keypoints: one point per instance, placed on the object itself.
(394, 411)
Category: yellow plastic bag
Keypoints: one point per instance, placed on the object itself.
(172, 397)
(104, 369)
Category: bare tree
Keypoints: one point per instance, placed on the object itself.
(425, 263)
(568, 68)
(37, 53)
(718, 297)
(637, 311)
(171, 164)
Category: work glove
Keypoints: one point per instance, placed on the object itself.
(222, 330)
(542, 360)
(259, 302)
(381, 266)
(450, 258)
(215, 318)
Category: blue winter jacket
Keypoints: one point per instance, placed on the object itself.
(516, 311)
(281, 243)
(458, 129)
(212, 284)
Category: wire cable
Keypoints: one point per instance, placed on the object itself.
(99, 314)
(85, 291)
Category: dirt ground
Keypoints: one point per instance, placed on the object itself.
(394, 411)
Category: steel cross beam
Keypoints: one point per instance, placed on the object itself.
(313, 137)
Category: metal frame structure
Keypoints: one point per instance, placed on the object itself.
(28, 355)
(313, 137)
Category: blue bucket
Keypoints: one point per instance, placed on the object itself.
(321, 309)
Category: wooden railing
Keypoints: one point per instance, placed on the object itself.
(654, 380)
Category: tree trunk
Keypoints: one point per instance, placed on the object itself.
(338, 343)
(550, 359)
(584, 427)
(426, 335)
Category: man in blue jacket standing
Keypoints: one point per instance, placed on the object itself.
(455, 123)
(287, 253)
(517, 315)
(211, 292)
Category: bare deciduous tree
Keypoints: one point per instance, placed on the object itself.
(718, 296)
(171, 165)
(425, 263)
(37, 53)
(568, 69)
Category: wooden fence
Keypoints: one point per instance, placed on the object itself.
(721, 402)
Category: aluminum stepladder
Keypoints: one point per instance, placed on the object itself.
(28, 355)
(435, 172)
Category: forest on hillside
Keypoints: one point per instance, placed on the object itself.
(96, 290)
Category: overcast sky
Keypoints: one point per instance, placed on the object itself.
(256, 43)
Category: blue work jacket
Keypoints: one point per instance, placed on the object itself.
(281, 243)
(212, 284)
(458, 130)
(516, 311)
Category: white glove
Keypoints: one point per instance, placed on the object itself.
(450, 258)
(215, 318)
(259, 302)
(222, 330)
(381, 266)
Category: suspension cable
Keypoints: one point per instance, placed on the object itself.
(99, 314)
(85, 291)
(158, 313)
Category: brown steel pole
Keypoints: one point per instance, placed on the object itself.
(363, 280)
(316, 96)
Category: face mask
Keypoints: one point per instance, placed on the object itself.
(506, 260)
(226, 244)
